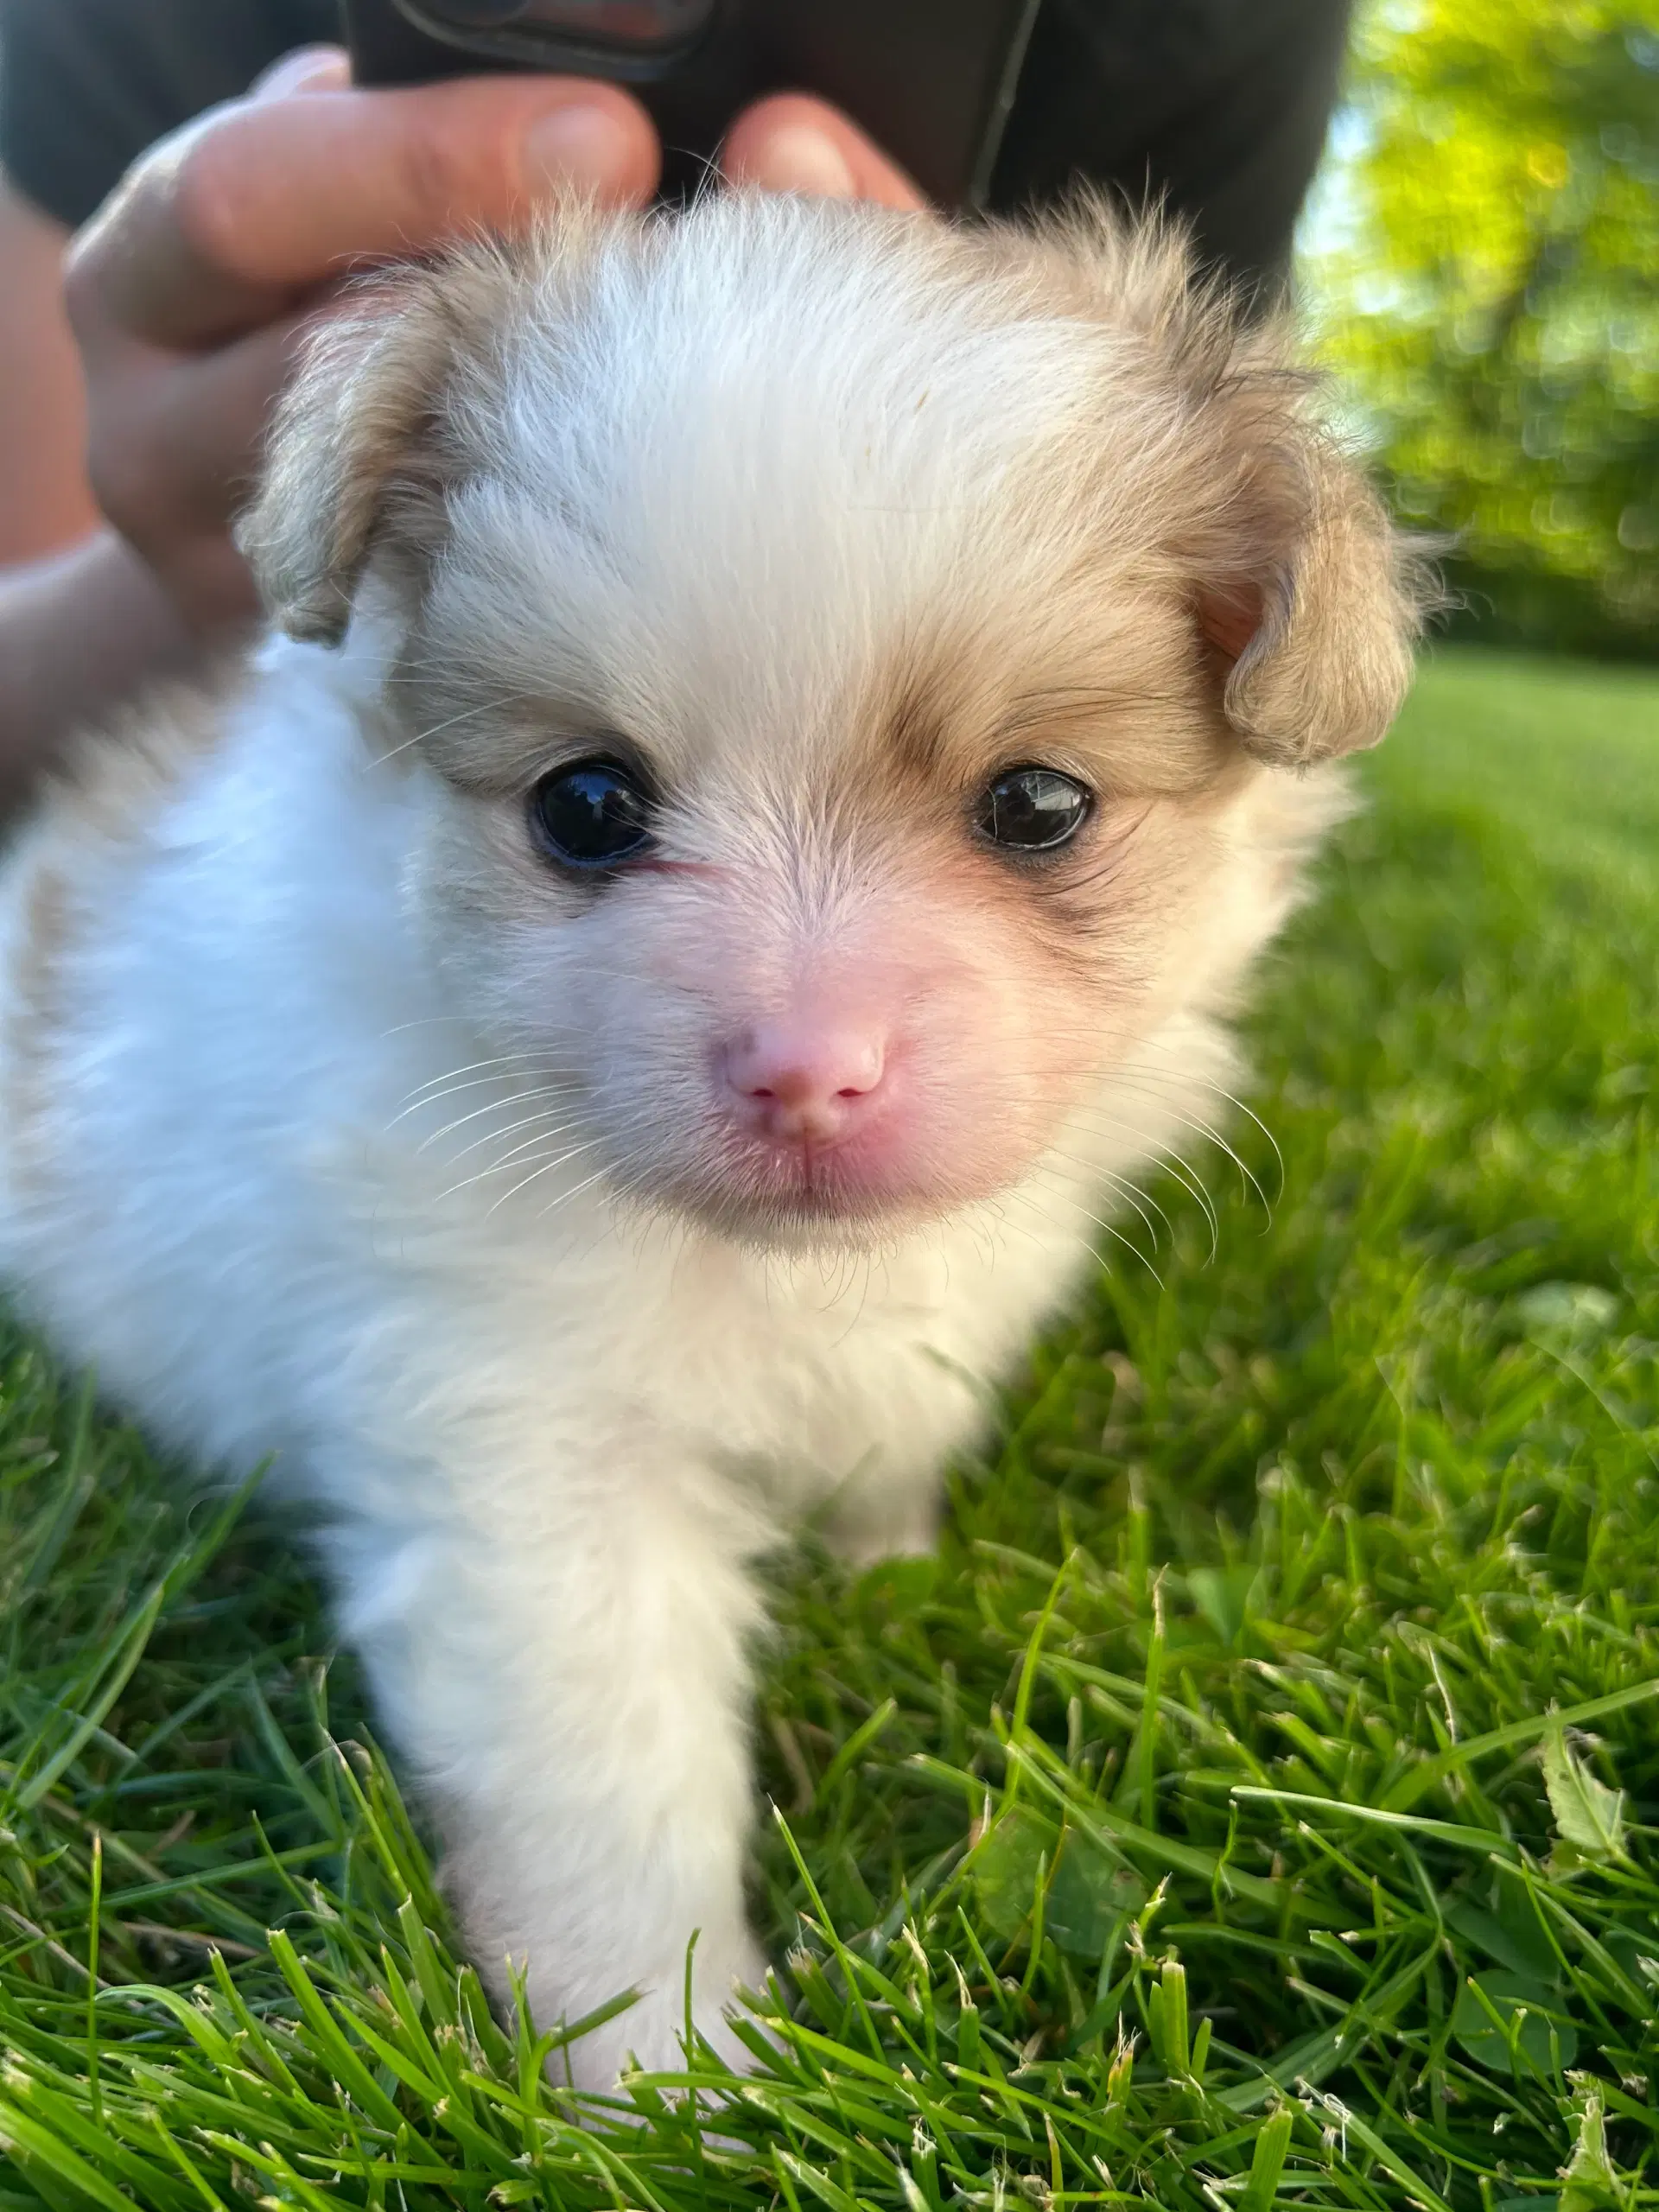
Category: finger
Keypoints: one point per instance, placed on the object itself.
(211, 586)
(179, 447)
(238, 216)
(792, 143)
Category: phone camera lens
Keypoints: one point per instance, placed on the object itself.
(484, 15)
(622, 22)
(622, 27)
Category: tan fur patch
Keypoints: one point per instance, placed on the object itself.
(371, 468)
(1122, 703)
(118, 778)
(35, 1018)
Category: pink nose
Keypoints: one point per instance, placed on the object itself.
(800, 1081)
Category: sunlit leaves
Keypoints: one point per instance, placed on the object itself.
(1487, 262)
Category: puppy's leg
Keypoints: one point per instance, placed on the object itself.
(572, 1682)
(889, 1503)
(889, 1513)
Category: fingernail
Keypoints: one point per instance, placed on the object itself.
(796, 158)
(312, 69)
(578, 147)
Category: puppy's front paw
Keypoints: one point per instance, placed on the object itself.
(649, 2037)
(907, 1527)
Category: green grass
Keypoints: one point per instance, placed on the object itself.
(1255, 1806)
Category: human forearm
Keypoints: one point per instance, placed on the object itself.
(79, 632)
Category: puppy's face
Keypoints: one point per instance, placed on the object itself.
(827, 930)
(826, 645)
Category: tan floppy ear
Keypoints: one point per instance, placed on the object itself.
(1312, 597)
(1306, 596)
(356, 438)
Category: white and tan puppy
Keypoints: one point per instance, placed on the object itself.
(606, 1039)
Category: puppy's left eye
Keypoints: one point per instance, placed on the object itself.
(1032, 810)
(595, 814)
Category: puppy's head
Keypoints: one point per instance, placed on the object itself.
(842, 655)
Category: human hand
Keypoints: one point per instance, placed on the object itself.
(192, 291)
(788, 143)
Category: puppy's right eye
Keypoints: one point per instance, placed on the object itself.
(594, 814)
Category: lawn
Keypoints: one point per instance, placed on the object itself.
(1256, 1805)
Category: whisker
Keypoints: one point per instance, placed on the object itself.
(484, 1173)
(1117, 1235)
(423, 1021)
(495, 1106)
(527, 1144)
(1094, 1119)
(1091, 1171)
(1001, 1222)
(1132, 1078)
(565, 1196)
(491, 706)
(1247, 1175)
(544, 1130)
(496, 1060)
(1172, 1164)
(1219, 1090)
(1027, 1197)
(563, 1093)
(637, 1121)
(446, 1087)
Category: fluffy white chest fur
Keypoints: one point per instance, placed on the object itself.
(622, 1052)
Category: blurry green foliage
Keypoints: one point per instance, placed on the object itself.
(1488, 255)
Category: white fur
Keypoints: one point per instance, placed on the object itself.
(548, 1433)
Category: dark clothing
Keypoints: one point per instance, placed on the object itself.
(1220, 106)
(86, 84)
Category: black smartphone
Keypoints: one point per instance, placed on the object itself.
(933, 81)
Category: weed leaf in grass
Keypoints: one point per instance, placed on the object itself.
(1572, 1310)
(1588, 2181)
(1032, 1878)
(1589, 1816)
(1499, 2016)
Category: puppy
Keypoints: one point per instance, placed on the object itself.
(604, 1039)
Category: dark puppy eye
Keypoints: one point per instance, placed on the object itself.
(594, 814)
(1032, 810)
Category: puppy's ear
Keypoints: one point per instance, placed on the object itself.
(1307, 595)
(355, 446)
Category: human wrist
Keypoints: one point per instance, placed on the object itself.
(79, 632)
